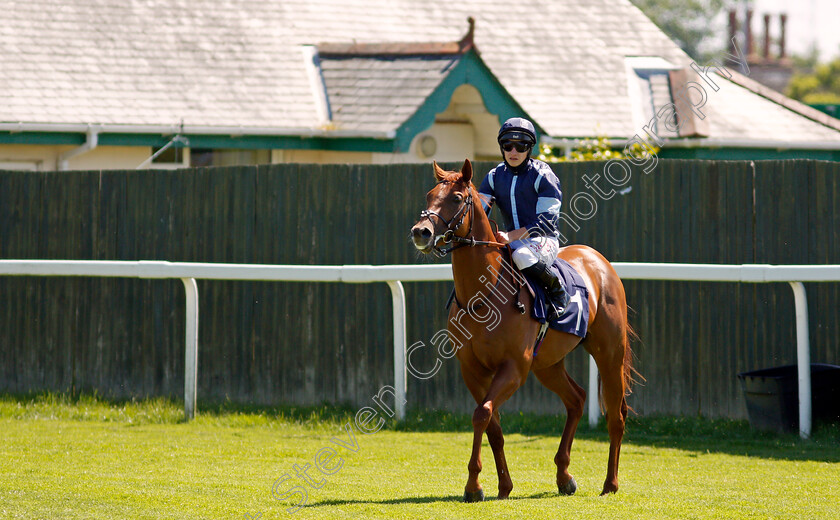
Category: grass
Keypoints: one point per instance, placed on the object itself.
(84, 457)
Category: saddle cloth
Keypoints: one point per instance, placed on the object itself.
(575, 319)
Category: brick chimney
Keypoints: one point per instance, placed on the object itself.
(772, 71)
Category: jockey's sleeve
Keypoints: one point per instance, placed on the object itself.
(486, 190)
(549, 196)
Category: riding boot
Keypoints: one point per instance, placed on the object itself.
(557, 295)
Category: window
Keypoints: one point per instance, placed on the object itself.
(228, 157)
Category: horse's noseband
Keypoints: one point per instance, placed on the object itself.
(449, 236)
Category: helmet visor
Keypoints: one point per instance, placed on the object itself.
(516, 135)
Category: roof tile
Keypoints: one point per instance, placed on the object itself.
(232, 63)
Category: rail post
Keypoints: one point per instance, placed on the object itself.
(400, 382)
(803, 358)
(191, 350)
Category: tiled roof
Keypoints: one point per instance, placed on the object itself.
(735, 112)
(242, 63)
(378, 86)
(379, 93)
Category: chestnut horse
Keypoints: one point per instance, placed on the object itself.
(495, 361)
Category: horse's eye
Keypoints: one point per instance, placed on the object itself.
(459, 198)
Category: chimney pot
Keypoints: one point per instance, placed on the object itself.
(733, 27)
(748, 32)
(766, 49)
(783, 20)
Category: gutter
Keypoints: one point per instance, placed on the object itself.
(767, 144)
(568, 144)
(91, 143)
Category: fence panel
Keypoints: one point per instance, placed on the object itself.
(307, 343)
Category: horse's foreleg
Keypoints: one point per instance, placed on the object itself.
(556, 379)
(473, 491)
(505, 382)
(497, 443)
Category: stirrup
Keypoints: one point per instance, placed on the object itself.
(556, 311)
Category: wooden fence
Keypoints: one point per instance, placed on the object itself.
(309, 343)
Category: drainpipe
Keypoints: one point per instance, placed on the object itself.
(91, 143)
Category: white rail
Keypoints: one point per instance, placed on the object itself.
(394, 274)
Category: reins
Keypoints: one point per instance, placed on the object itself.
(449, 235)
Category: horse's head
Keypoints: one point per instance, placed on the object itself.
(448, 209)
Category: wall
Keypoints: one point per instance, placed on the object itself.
(45, 158)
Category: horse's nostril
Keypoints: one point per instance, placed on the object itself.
(418, 232)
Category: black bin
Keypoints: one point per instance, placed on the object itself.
(772, 396)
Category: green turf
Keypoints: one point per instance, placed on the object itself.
(71, 458)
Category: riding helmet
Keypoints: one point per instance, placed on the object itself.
(518, 129)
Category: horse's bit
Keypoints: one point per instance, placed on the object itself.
(449, 235)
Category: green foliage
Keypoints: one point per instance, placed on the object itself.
(820, 85)
(594, 149)
(686, 22)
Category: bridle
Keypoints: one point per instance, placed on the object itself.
(449, 235)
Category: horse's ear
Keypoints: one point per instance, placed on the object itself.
(466, 170)
(440, 173)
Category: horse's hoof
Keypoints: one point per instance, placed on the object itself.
(568, 488)
(609, 489)
(474, 496)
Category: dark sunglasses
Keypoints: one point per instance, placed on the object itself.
(520, 147)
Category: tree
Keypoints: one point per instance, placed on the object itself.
(687, 22)
(819, 85)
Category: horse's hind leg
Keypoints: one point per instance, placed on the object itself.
(556, 379)
(611, 367)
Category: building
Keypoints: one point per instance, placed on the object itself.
(96, 84)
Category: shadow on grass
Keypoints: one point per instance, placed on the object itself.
(404, 500)
(425, 500)
(695, 434)
(160, 410)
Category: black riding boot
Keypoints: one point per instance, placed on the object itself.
(557, 294)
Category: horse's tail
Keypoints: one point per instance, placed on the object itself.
(631, 375)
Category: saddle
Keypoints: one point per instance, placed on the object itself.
(575, 319)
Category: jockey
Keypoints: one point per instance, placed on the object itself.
(528, 195)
